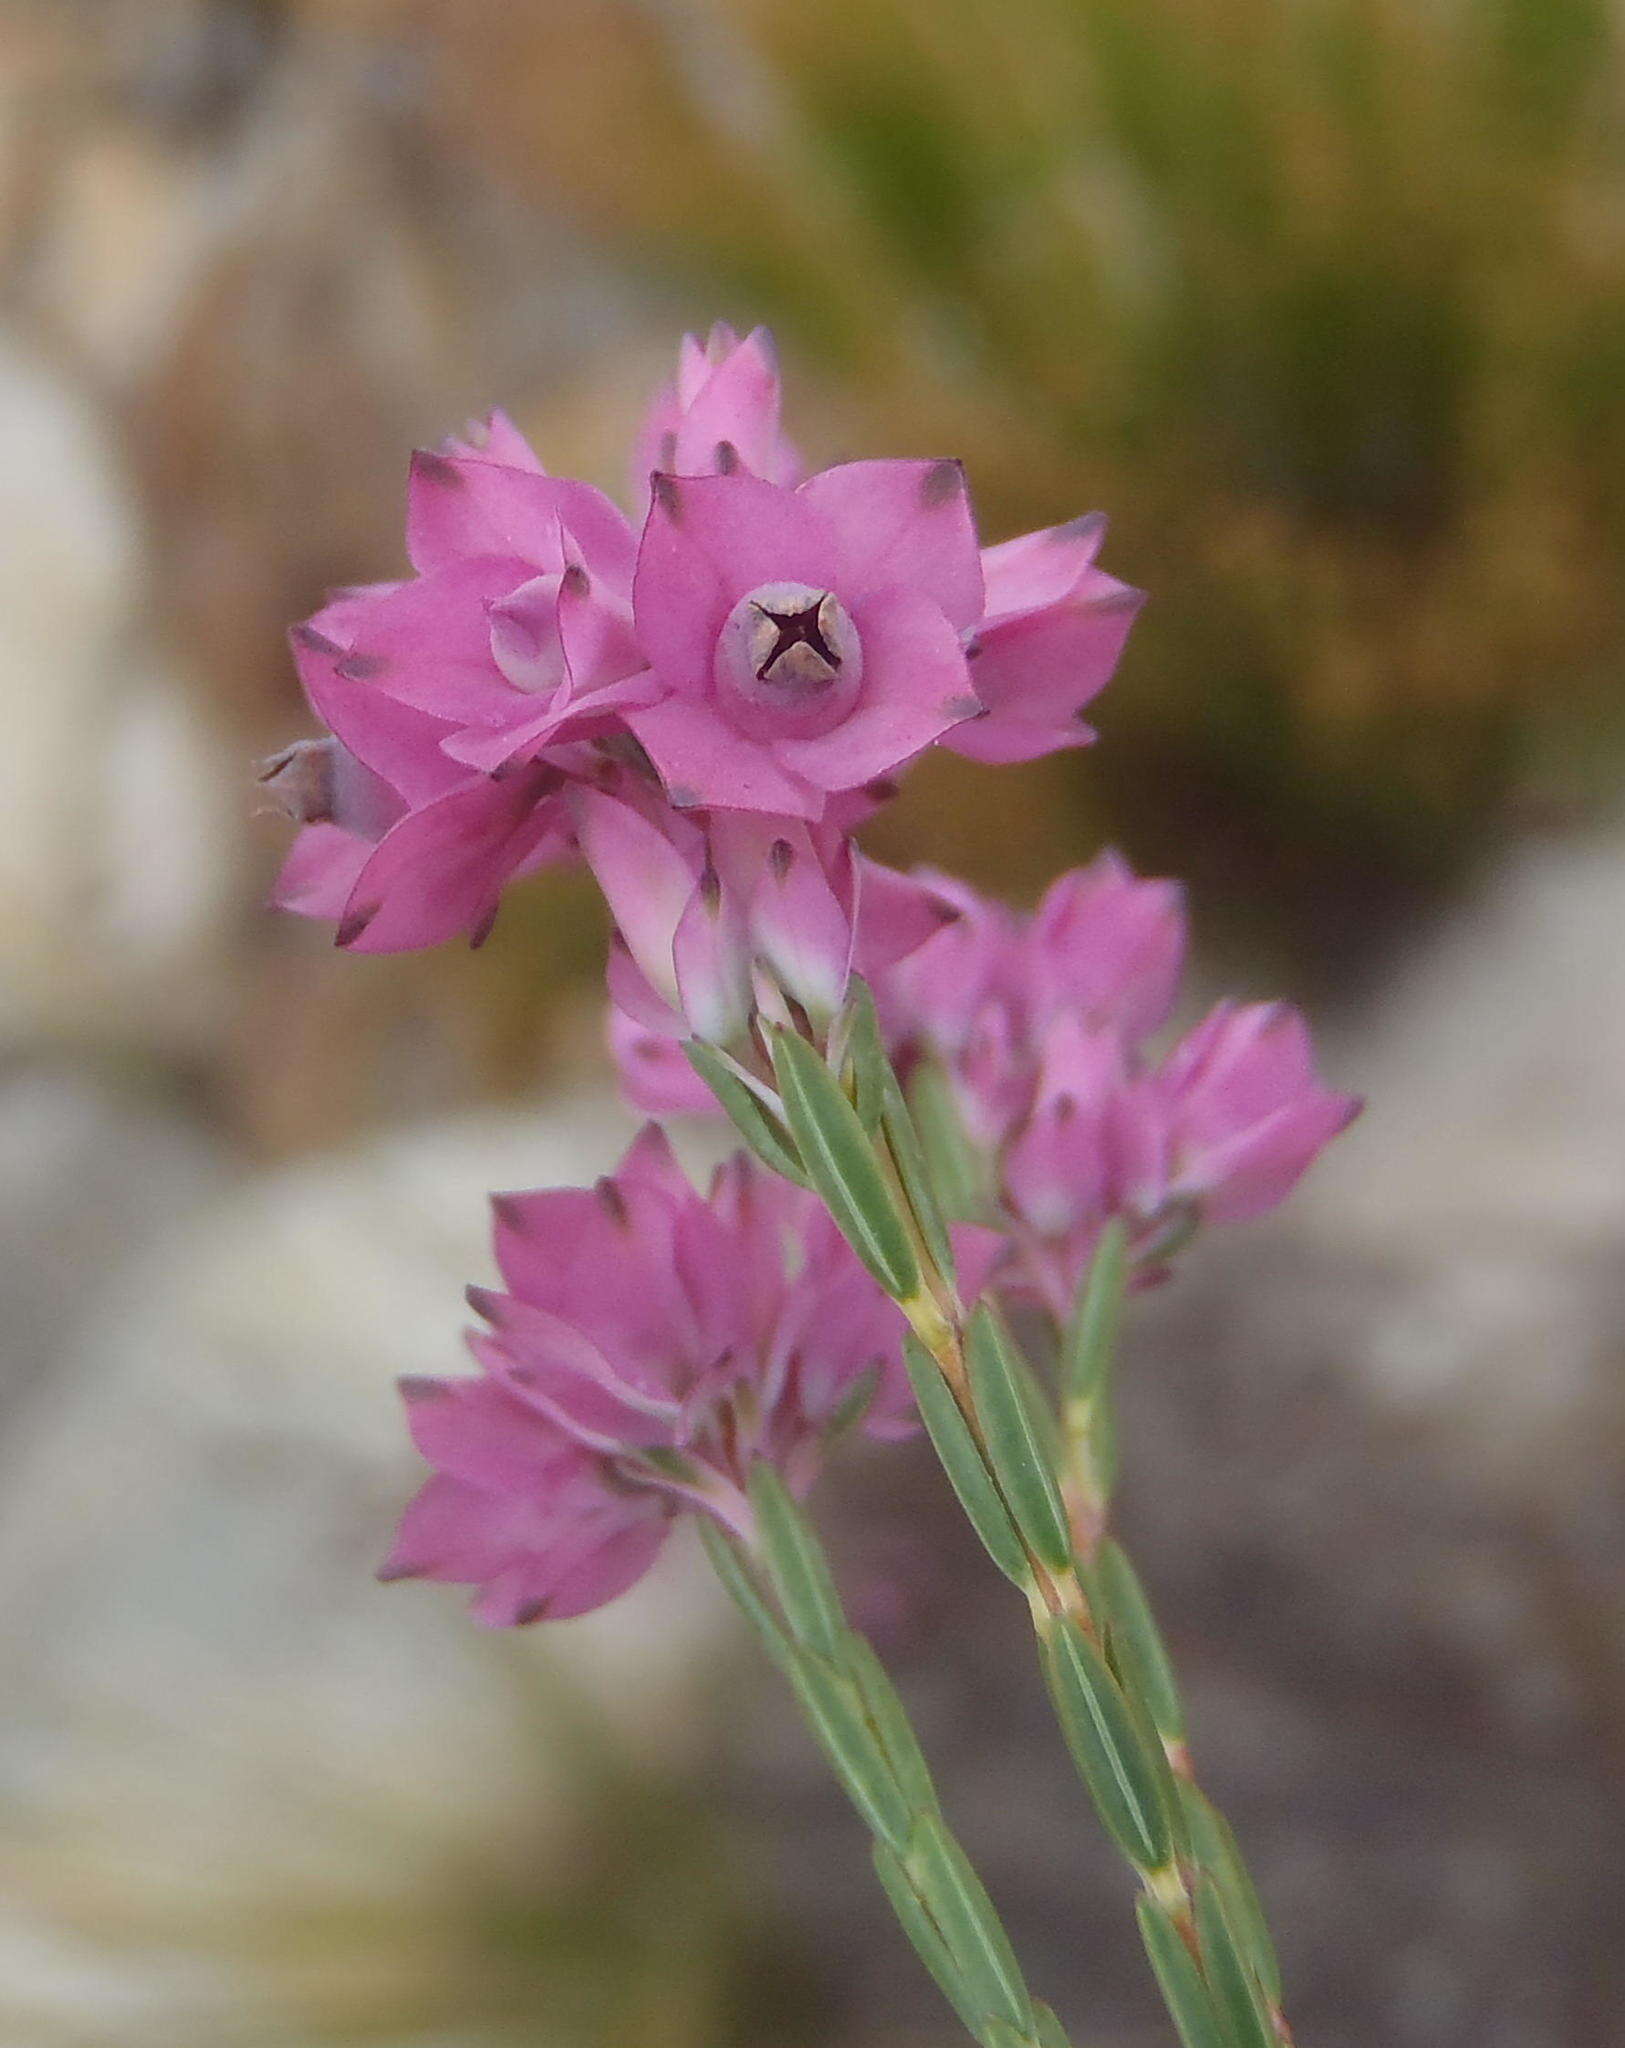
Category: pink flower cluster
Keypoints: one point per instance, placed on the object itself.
(762, 645)
(650, 1344)
(1044, 1028)
(703, 705)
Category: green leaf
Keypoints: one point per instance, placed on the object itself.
(957, 1171)
(796, 1562)
(922, 1931)
(889, 1718)
(963, 1462)
(736, 1575)
(1112, 1754)
(1137, 1647)
(748, 1115)
(853, 1405)
(953, 1895)
(1235, 1990)
(1048, 2031)
(1086, 1352)
(834, 1706)
(841, 1164)
(915, 1175)
(1180, 1981)
(1019, 1448)
(1215, 1848)
(865, 1054)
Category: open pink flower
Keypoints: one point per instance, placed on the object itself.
(719, 413)
(650, 1344)
(808, 640)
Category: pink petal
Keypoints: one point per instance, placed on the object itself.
(320, 872)
(1040, 569)
(429, 643)
(704, 762)
(647, 880)
(654, 1072)
(458, 507)
(902, 523)
(394, 740)
(441, 870)
(1035, 673)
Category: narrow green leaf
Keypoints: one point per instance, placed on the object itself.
(1048, 2031)
(889, 1718)
(737, 1577)
(1108, 1746)
(796, 1562)
(999, 2033)
(840, 1162)
(957, 1171)
(1018, 1447)
(1235, 1990)
(922, 1931)
(962, 1461)
(853, 1406)
(1137, 1647)
(1178, 1978)
(748, 1115)
(865, 1054)
(915, 1174)
(1087, 1351)
(956, 1901)
(834, 1706)
(1215, 1848)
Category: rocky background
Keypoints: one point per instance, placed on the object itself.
(1327, 307)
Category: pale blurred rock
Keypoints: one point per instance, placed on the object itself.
(116, 843)
(249, 1795)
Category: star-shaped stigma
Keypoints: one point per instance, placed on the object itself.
(797, 629)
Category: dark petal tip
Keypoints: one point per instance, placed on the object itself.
(667, 496)
(351, 927)
(942, 483)
(434, 468)
(308, 636)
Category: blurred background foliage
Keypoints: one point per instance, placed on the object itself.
(1323, 301)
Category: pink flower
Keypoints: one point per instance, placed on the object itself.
(721, 916)
(403, 846)
(720, 413)
(1104, 948)
(1052, 631)
(808, 640)
(651, 1344)
(1056, 1170)
(1231, 1120)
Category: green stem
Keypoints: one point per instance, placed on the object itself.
(781, 1582)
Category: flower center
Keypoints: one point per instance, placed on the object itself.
(788, 661)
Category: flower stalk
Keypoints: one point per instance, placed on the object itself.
(1034, 1474)
(781, 1581)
